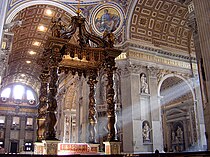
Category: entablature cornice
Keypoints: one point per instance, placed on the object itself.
(151, 59)
(151, 50)
(130, 66)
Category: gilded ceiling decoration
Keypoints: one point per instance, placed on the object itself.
(161, 23)
(29, 41)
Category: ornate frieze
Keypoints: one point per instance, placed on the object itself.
(139, 55)
(163, 72)
(158, 52)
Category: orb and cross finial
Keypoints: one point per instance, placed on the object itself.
(78, 7)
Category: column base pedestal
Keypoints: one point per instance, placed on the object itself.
(50, 147)
(112, 147)
(39, 148)
(94, 147)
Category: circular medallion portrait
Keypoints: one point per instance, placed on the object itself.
(107, 18)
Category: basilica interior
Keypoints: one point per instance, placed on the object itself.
(120, 76)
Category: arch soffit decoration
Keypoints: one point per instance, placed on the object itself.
(17, 8)
(160, 23)
(188, 82)
(129, 16)
(174, 110)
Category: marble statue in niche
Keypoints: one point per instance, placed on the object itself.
(177, 136)
(179, 133)
(146, 131)
(144, 85)
(173, 135)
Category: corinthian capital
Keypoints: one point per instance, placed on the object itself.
(153, 71)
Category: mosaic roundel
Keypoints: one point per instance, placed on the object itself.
(107, 17)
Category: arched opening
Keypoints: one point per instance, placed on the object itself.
(178, 115)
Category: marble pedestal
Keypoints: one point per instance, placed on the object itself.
(50, 147)
(39, 148)
(112, 147)
(94, 147)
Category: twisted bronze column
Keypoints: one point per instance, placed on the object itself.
(44, 77)
(92, 107)
(50, 122)
(109, 67)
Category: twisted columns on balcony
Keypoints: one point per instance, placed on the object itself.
(92, 107)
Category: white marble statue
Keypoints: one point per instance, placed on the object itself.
(179, 133)
(13, 24)
(173, 136)
(144, 85)
(146, 132)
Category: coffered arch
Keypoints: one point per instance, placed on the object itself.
(28, 41)
(161, 24)
(17, 8)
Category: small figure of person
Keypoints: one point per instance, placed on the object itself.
(57, 27)
(109, 37)
(106, 22)
(179, 132)
(146, 132)
(144, 85)
(173, 136)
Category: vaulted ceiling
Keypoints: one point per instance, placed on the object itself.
(160, 23)
(29, 40)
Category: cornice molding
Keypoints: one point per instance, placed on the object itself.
(158, 52)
